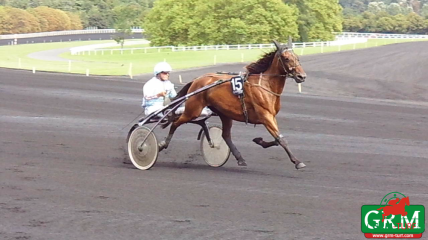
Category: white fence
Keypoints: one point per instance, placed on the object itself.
(88, 48)
(95, 49)
(61, 33)
(347, 35)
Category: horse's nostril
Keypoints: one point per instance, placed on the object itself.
(301, 78)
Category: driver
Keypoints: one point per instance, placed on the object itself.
(157, 89)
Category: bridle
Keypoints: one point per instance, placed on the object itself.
(288, 73)
(291, 70)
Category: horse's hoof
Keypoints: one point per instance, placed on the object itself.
(162, 145)
(300, 165)
(242, 163)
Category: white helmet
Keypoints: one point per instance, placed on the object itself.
(162, 67)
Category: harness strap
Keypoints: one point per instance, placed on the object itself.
(262, 87)
(244, 108)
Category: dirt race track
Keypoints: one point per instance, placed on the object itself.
(63, 145)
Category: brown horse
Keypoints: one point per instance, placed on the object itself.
(265, 81)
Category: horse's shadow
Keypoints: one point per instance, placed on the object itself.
(223, 169)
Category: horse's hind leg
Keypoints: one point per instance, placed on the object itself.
(182, 119)
(191, 112)
(272, 127)
(226, 134)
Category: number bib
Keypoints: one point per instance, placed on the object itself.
(237, 85)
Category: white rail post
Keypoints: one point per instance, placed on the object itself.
(299, 85)
(34, 69)
(180, 79)
(130, 70)
(87, 72)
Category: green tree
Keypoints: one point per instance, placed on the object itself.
(171, 26)
(394, 9)
(96, 13)
(369, 21)
(424, 11)
(305, 18)
(329, 20)
(318, 19)
(376, 7)
(125, 17)
(353, 24)
(417, 23)
(402, 24)
(196, 22)
(64, 5)
(385, 25)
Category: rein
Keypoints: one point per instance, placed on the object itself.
(264, 88)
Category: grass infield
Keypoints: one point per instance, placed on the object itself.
(138, 61)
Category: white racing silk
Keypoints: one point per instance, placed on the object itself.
(151, 102)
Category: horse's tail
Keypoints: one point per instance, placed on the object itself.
(171, 118)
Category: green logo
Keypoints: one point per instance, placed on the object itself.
(394, 217)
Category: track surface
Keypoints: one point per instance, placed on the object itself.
(63, 144)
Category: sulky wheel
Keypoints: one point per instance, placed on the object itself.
(143, 154)
(218, 155)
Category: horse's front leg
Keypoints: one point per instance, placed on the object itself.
(261, 142)
(272, 126)
(226, 134)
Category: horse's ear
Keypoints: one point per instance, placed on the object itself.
(277, 45)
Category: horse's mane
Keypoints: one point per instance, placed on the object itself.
(262, 64)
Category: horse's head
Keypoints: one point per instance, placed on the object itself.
(290, 62)
(405, 201)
